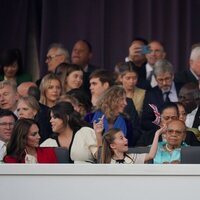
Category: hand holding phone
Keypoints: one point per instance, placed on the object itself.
(145, 49)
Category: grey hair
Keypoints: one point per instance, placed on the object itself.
(195, 53)
(61, 50)
(163, 66)
(12, 84)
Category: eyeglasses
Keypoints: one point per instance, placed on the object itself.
(50, 58)
(169, 117)
(5, 124)
(161, 80)
(176, 132)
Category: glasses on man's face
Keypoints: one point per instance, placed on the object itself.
(167, 79)
(169, 117)
(50, 58)
(176, 132)
(7, 124)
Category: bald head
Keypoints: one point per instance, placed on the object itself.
(22, 89)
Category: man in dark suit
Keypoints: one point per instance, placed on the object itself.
(193, 73)
(165, 91)
(82, 55)
(196, 123)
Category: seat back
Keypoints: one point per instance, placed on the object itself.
(190, 155)
(62, 155)
(140, 150)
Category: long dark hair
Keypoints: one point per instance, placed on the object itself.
(66, 112)
(17, 144)
(8, 57)
(108, 138)
(106, 151)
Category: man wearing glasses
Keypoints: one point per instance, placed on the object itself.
(165, 91)
(7, 121)
(56, 54)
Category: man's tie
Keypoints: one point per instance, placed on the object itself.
(150, 76)
(166, 97)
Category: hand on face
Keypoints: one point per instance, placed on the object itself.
(98, 125)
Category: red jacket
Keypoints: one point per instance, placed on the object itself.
(44, 155)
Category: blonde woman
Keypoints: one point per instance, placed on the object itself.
(50, 89)
(111, 104)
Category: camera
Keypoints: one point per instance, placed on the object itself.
(145, 49)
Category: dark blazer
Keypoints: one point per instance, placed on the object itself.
(185, 76)
(43, 120)
(132, 113)
(153, 96)
(196, 122)
(86, 79)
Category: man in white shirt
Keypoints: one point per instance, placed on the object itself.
(157, 52)
(7, 121)
(8, 95)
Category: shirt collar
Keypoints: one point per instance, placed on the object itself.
(2, 143)
(194, 74)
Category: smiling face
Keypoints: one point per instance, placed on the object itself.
(10, 70)
(121, 105)
(25, 111)
(120, 143)
(33, 137)
(56, 124)
(157, 53)
(74, 80)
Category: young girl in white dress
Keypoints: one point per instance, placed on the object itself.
(115, 148)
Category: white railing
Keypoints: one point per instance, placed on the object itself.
(99, 182)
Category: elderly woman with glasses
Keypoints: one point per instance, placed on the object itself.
(169, 150)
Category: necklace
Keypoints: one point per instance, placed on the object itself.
(167, 148)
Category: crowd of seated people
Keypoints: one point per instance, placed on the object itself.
(96, 114)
